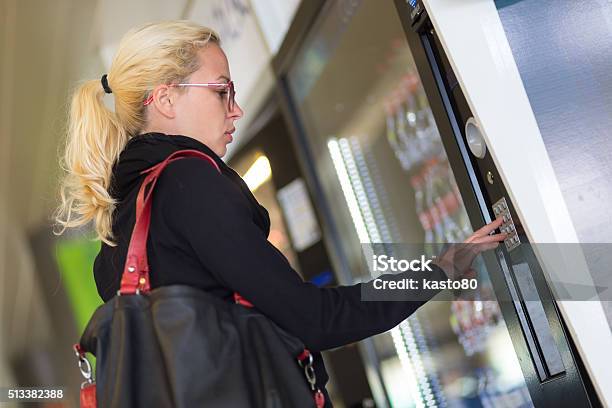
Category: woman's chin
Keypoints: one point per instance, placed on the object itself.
(221, 151)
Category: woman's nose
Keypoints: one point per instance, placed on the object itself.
(237, 112)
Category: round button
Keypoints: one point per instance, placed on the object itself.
(475, 139)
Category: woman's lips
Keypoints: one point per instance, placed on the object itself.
(229, 134)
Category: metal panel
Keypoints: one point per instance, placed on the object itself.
(543, 354)
(497, 98)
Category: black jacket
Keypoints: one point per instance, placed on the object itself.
(207, 230)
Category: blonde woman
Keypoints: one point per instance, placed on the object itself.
(172, 91)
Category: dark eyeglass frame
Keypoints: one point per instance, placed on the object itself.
(231, 101)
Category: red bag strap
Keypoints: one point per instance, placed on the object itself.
(135, 278)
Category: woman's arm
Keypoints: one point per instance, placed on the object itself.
(210, 212)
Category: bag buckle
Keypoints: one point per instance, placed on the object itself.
(87, 395)
(84, 366)
(306, 361)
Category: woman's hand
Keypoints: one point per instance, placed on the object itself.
(457, 259)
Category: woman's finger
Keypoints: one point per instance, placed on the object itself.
(484, 231)
(490, 227)
(490, 238)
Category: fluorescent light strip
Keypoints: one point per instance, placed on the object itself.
(416, 363)
(404, 357)
(351, 181)
(357, 186)
(371, 192)
(359, 174)
(259, 172)
(347, 190)
(425, 355)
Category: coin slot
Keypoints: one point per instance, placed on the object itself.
(475, 139)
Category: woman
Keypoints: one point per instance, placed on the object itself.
(172, 89)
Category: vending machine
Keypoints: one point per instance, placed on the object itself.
(395, 154)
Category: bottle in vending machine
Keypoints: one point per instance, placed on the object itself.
(446, 202)
(424, 217)
(393, 135)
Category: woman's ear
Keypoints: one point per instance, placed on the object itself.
(163, 101)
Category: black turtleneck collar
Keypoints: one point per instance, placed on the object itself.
(148, 149)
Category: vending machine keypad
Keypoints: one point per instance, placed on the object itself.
(500, 209)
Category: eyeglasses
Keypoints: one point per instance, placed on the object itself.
(229, 86)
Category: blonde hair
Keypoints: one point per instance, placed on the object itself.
(156, 53)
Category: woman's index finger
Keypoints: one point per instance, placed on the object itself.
(490, 227)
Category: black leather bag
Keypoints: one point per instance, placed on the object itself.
(178, 346)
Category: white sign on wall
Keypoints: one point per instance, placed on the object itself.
(275, 17)
(299, 214)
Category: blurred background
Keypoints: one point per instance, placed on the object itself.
(368, 165)
(47, 292)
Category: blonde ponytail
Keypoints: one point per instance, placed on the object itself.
(153, 54)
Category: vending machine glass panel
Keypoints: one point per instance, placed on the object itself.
(378, 156)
